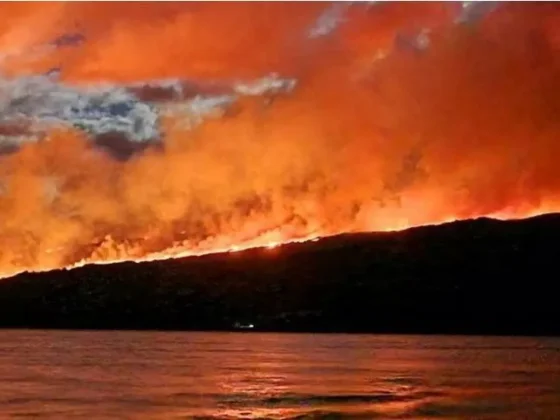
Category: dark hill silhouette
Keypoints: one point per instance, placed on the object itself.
(480, 276)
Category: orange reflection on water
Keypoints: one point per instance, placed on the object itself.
(159, 375)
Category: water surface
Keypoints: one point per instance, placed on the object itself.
(168, 375)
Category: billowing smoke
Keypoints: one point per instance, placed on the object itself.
(158, 130)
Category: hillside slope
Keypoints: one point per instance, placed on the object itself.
(481, 276)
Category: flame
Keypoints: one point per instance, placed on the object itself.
(403, 115)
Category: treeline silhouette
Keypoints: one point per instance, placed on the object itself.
(481, 277)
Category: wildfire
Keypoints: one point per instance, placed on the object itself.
(280, 123)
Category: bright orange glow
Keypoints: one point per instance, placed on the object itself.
(377, 136)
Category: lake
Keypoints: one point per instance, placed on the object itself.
(168, 375)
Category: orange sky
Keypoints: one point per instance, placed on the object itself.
(377, 135)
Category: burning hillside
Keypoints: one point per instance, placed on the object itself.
(168, 130)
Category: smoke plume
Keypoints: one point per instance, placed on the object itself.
(157, 130)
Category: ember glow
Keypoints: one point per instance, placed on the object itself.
(164, 130)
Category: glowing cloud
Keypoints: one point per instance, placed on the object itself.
(239, 125)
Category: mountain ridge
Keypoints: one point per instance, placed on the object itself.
(481, 276)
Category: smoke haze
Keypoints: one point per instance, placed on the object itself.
(153, 130)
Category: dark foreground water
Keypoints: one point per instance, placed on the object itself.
(150, 375)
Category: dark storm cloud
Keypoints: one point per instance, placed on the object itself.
(119, 117)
